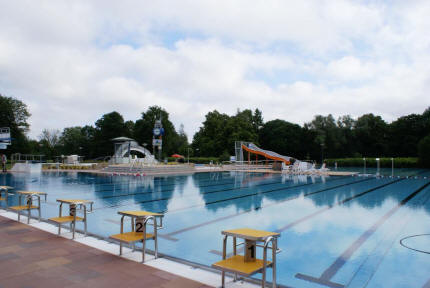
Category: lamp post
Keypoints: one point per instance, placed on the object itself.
(322, 153)
(364, 165)
(377, 166)
(188, 149)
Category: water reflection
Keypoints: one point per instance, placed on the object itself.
(316, 231)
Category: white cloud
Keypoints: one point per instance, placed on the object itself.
(71, 62)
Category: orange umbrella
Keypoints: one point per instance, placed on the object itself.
(177, 156)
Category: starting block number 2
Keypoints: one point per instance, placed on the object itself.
(139, 225)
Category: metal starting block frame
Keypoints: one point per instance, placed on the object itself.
(72, 217)
(30, 197)
(248, 264)
(139, 221)
(5, 190)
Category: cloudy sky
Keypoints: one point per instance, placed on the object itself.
(72, 61)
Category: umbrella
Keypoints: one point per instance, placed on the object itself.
(177, 156)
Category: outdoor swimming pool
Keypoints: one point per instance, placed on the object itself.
(335, 231)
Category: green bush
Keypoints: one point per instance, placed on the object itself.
(424, 151)
(197, 160)
(225, 156)
(407, 162)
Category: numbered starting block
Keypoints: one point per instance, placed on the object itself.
(30, 197)
(4, 193)
(139, 221)
(248, 264)
(75, 206)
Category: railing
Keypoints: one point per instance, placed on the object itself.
(25, 158)
(249, 165)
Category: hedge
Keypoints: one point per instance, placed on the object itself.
(407, 162)
(197, 160)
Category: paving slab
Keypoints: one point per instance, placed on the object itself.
(30, 257)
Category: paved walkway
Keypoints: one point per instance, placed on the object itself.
(30, 257)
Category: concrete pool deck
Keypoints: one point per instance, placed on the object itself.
(33, 255)
(204, 170)
(30, 257)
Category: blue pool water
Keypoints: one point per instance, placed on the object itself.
(334, 230)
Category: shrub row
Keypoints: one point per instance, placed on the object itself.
(409, 162)
(70, 167)
(197, 160)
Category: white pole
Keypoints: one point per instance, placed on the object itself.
(377, 166)
(188, 155)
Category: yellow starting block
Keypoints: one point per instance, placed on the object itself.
(139, 220)
(30, 197)
(4, 190)
(72, 217)
(247, 264)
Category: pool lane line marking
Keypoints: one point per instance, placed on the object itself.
(252, 195)
(341, 202)
(204, 193)
(124, 183)
(330, 272)
(221, 200)
(427, 284)
(169, 235)
(224, 190)
(277, 181)
(172, 190)
(380, 258)
(113, 221)
(310, 216)
(218, 191)
(224, 181)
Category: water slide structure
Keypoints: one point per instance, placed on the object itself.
(254, 149)
(123, 147)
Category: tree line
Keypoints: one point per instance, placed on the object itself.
(323, 137)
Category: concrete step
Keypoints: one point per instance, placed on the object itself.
(149, 169)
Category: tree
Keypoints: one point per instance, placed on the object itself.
(88, 143)
(14, 114)
(406, 132)
(424, 151)
(182, 141)
(257, 120)
(143, 130)
(211, 140)
(346, 134)
(327, 135)
(371, 135)
(283, 137)
(72, 140)
(219, 132)
(129, 128)
(49, 142)
(110, 126)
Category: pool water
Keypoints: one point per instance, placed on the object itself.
(335, 231)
